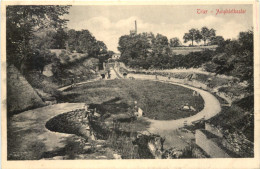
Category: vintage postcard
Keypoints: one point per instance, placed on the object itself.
(119, 84)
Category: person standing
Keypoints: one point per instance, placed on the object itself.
(72, 82)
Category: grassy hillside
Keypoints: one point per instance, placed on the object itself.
(68, 57)
(186, 50)
(64, 67)
(67, 66)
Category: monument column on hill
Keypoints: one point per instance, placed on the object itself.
(135, 27)
(134, 32)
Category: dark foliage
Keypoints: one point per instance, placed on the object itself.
(22, 22)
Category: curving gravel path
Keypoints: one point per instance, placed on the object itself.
(30, 139)
(88, 81)
(211, 106)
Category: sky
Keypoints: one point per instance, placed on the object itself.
(108, 23)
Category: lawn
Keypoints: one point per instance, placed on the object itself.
(186, 50)
(158, 100)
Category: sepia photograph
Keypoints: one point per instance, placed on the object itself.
(116, 82)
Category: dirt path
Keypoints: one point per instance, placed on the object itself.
(113, 74)
(88, 81)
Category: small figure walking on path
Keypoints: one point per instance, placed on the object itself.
(185, 123)
(86, 106)
(103, 76)
(72, 83)
(124, 74)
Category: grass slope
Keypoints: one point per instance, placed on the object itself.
(158, 100)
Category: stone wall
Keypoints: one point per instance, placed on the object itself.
(213, 130)
(208, 142)
(20, 94)
(234, 142)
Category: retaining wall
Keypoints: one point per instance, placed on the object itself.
(213, 130)
(208, 142)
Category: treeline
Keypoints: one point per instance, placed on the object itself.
(33, 30)
(232, 57)
(76, 41)
(208, 36)
(148, 51)
(235, 58)
(82, 42)
(22, 25)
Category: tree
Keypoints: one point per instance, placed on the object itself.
(160, 45)
(193, 35)
(216, 40)
(224, 63)
(136, 47)
(235, 57)
(72, 40)
(21, 24)
(84, 42)
(175, 42)
(101, 47)
(207, 34)
(244, 63)
(43, 40)
(212, 33)
(145, 50)
(161, 40)
(246, 39)
(60, 39)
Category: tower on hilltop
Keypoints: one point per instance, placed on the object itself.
(135, 27)
(134, 32)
